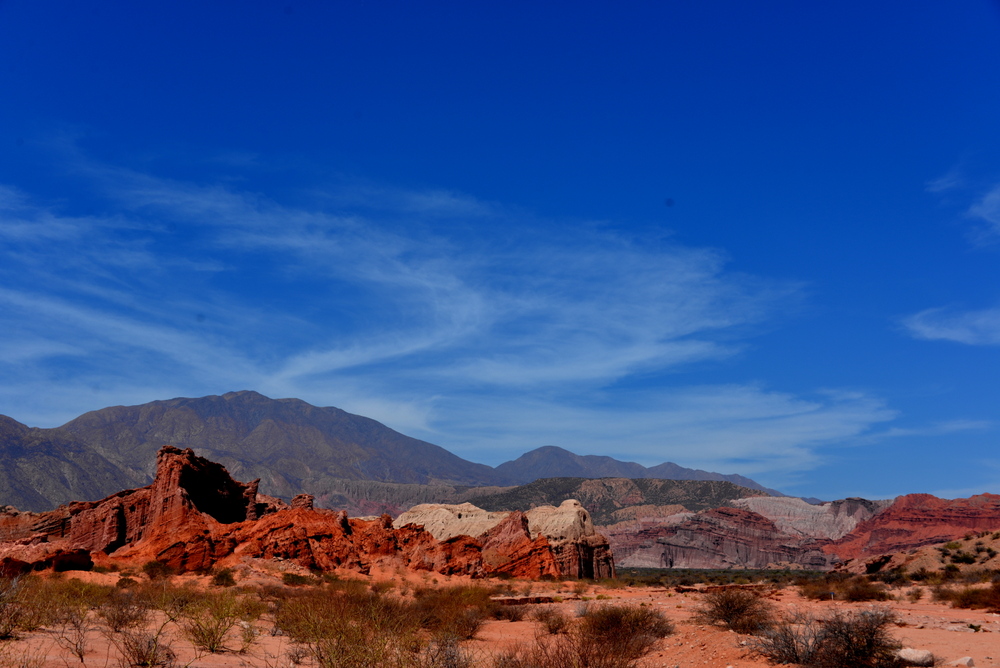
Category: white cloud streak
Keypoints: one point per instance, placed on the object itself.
(975, 328)
(490, 338)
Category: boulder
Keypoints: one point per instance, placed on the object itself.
(916, 657)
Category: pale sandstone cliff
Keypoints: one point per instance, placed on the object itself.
(798, 518)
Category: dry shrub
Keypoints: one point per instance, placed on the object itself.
(553, 620)
(511, 613)
(140, 648)
(223, 578)
(862, 589)
(72, 628)
(123, 609)
(845, 640)
(209, 622)
(836, 586)
(607, 637)
(346, 629)
(971, 597)
(453, 611)
(157, 570)
(741, 610)
(10, 607)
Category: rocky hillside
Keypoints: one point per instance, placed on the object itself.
(292, 446)
(42, 468)
(289, 444)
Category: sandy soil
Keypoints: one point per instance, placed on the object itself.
(924, 625)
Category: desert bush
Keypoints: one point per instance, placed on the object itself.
(358, 628)
(741, 610)
(141, 648)
(607, 637)
(173, 602)
(10, 607)
(208, 622)
(453, 611)
(971, 597)
(296, 580)
(122, 610)
(845, 640)
(72, 628)
(862, 589)
(625, 631)
(843, 588)
(157, 570)
(511, 613)
(553, 620)
(223, 578)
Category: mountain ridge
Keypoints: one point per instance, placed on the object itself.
(291, 445)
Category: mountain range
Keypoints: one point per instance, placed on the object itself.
(292, 446)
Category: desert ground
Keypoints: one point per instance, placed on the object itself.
(950, 633)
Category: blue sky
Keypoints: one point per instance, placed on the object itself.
(756, 238)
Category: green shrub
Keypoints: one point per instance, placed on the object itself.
(223, 578)
(157, 570)
(296, 580)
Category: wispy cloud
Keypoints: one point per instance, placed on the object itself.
(987, 209)
(465, 322)
(978, 328)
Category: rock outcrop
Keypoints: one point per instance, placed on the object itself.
(565, 533)
(195, 515)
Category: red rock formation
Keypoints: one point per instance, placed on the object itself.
(508, 548)
(195, 515)
(916, 520)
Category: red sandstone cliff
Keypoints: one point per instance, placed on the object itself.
(916, 520)
(195, 515)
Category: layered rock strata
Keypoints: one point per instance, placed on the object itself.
(721, 538)
(195, 515)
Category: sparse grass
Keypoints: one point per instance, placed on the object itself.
(741, 610)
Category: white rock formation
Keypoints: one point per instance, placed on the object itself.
(829, 520)
(569, 522)
(444, 521)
